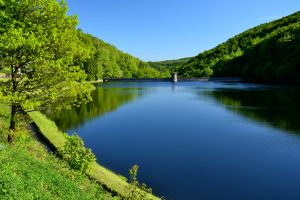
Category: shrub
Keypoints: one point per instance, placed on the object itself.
(76, 155)
(136, 190)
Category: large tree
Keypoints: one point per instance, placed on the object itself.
(40, 45)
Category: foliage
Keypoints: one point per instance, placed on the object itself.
(168, 66)
(268, 52)
(109, 179)
(109, 62)
(75, 153)
(40, 45)
(136, 190)
(20, 133)
(28, 172)
(4, 121)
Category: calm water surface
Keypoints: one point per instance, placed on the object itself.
(196, 140)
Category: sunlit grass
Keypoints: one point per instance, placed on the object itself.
(49, 129)
(27, 171)
(106, 177)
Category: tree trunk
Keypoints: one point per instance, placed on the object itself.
(12, 126)
(14, 106)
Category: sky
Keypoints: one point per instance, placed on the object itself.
(156, 30)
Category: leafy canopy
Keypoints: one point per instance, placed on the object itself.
(40, 45)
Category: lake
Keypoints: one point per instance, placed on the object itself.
(196, 140)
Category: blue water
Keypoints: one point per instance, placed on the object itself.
(196, 140)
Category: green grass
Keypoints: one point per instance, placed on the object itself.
(48, 129)
(114, 182)
(27, 171)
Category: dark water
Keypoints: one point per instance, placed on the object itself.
(196, 140)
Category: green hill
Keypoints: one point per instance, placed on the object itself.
(168, 65)
(106, 61)
(269, 52)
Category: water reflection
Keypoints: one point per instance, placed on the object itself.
(278, 107)
(105, 99)
(181, 133)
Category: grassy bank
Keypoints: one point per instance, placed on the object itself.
(28, 171)
(106, 177)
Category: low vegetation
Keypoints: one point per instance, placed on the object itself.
(76, 154)
(115, 183)
(136, 190)
(29, 171)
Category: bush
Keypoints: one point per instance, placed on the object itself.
(76, 155)
(136, 190)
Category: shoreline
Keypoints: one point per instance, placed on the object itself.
(53, 137)
(224, 79)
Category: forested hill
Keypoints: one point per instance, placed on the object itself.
(269, 52)
(106, 61)
(168, 65)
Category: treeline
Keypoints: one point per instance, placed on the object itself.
(168, 65)
(269, 52)
(106, 61)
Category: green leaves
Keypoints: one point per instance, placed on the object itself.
(107, 61)
(76, 155)
(40, 45)
(136, 190)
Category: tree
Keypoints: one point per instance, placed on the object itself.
(41, 46)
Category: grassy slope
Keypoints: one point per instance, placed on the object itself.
(112, 181)
(28, 171)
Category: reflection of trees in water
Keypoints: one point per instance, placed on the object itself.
(104, 100)
(278, 107)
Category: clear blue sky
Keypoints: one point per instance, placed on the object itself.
(155, 30)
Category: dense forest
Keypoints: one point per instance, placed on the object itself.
(168, 65)
(269, 52)
(106, 61)
(103, 60)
